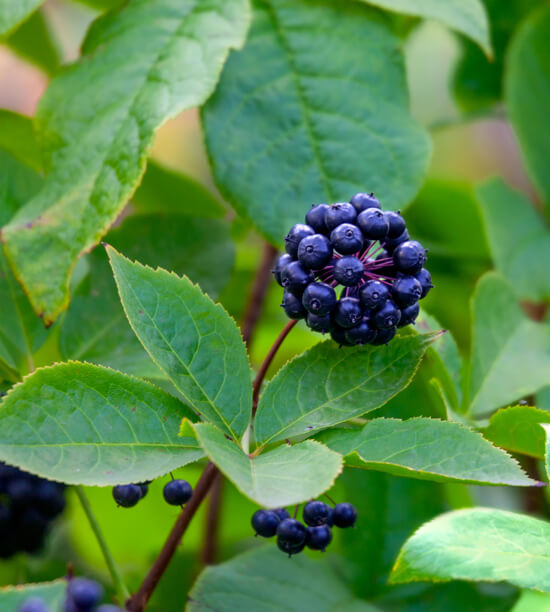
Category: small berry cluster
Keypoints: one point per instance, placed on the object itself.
(367, 251)
(293, 536)
(82, 595)
(28, 505)
(177, 492)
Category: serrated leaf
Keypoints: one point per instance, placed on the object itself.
(468, 17)
(427, 449)
(12, 13)
(85, 424)
(517, 429)
(510, 354)
(143, 65)
(328, 385)
(527, 94)
(303, 114)
(18, 138)
(304, 584)
(519, 240)
(546, 428)
(280, 477)
(51, 593)
(478, 544)
(194, 341)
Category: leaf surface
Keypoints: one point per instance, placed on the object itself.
(51, 593)
(12, 13)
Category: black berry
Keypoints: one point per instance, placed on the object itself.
(281, 262)
(396, 224)
(362, 201)
(315, 251)
(373, 294)
(293, 306)
(265, 523)
(296, 278)
(315, 218)
(388, 316)
(373, 224)
(318, 538)
(177, 492)
(409, 315)
(425, 280)
(406, 290)
(282, 513)
(392, 243)
(344, 515)
(347, 239)
(84, 593)
(296, 234)
(348, 270)
(338, 214)
(383, 336)
(338, 334)
(127, 496)
(363, 333)
(321, 324)
(319, 298)
(316, 513)
(409, 257)
(291, 536)
(348, 312)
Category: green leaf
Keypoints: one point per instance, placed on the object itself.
(517, 429)
(531, 600)
(263, 580)
(466, 16)
(18, 182)
(85, 424)
(283, 476)
(478, 544)
(144, 64)
(303, 114)
(18, 138)
(194, 341)
(519, 240)
(427, 449)
(527, 90)
(510, 353)
(168, 191)
(51, 593)
(13, 13)
(328, 385)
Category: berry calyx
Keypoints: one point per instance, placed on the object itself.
(265, 523)
(348, 270)
(127, 495)
(315, 251)
(316, 513)
(346, 239)
(319, 537)
(177, 492)
(344, 515)
(373, 294)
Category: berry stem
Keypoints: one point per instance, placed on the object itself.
(122, 591)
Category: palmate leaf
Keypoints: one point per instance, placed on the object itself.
(84, 424)
(194, 341)
(427, 449)
(142, 65)
(327, 385)
(313, 109)
(51, 593)
(280, 477)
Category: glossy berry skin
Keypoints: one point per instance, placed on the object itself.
(406, 290)
(318, 538)
(425, 280)
(127, 496)
(383, 336)
(348, 270)
(409, 257)
(296, 278)
(347, 239)
(33, 604)
(296, 234)
(321, 324)
(282, 513)
(373, 294)
(84, 593)
(315, 218)
(373, 224)
(316, 513)
(396, 224)
(362, 201)
(338, 334)
(293, 307)
(319, 299)
(392, 243)
(177, 492)
(281, 262)
(361, 334)
(291, 536)
(344, 515)
(388, 316)
(315, 252)
(348, 312)
(265, 523)
(338, 214)
(409, 315)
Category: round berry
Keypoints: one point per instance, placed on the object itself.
(265, 523)
(85, 593)
(296, 278)
(348, 270)
(387, 316)
(409, 314)
(391, 244)
(373, 224)
(318, 538)
(319, 299)
(293, 306)
(361, 334)
(315, 217)
(20, 492)
(383, 336)
(346, 238)
(409, 257)
(291, 536)
(321, 324)
(144, 486)
(348, 312)
(362, 201)
(373, 294)
(338, 214)
(396, 224)
(281, 262)
(344, 515)
(338, 334)
(296, 234)
(425, 280)
(316, 513)
(33, 604)
(282, 513)
(315, 251)
(127, 496)
(177, 492)
(406, 290)
(49, 498)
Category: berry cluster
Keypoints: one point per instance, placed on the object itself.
(368, 252)
(82, 595)
(28, 505)
(177, 492)
(293, 536)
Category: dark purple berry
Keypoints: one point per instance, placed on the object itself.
(338, 214)
(127, 496)
(144, 489)
(291, 536)
(281, 262)
(361, 334)
(321, 324)
(265, 523)
(373, 294)
(20, 491)
(33, 604)
(406, 290)
(344, 515)
(319, 537)
(338, 334)
(348, 270)
(319, 299)
(296, 278)
(85, 593)
(316, 513)
(396, 224)
(293, 307)
(387, 316)
(348, 312)
(409, 314)
(425, 280)
(315, 252)
(362, 201)
(409, 257)
(373, 224)
(49, 498)
(391, 244)
(347, 239)
(282, 513)
(177, 492)
(383, 336)
(315, 218)
(296, 234)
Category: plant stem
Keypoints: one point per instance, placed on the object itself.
(211, 525)
(118, 582)
(138, 601)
